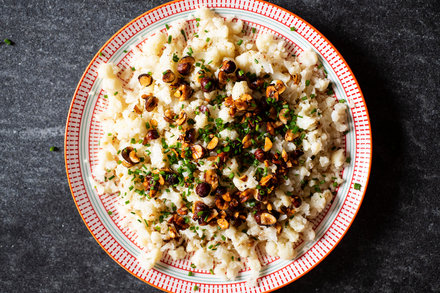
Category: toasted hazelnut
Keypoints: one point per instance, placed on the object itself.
(172, 232)
(203, 189)
(247, 194)
(183, 92)
(260, 155)
(228, 66)
(267, 219)
(269, 207)
(213, 143)
(272, 93)
(207, 84)
(280, 86)
(152, 134)
(161, 180)
(221, 204)
(127, 164)
(240, 74)
(199, 208)
(197, 151)
(223, 224)
(185, 65)
(273, 113)
(296, 201)
(182, 118)
(130, 157)
(229, 101)
(150, 102)
(145, 79)
(247, 142)
(168, 76)
(169, 116)
(266, 180)
(137, 109)
(182, 211)
(270, 128)
(284, 155)
(290, 136)
(212, 215)
(211, 177)
(189, 136)
(256, 84)
(153, 123)
(222, 78)
(226, 196)
(279, 227)
(267, 144)
(284, 116)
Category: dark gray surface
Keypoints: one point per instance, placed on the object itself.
(393, 245)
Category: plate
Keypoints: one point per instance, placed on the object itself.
(83, 132)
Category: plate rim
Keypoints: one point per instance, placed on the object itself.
(214, 3)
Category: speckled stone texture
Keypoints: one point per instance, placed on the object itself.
(392, 48)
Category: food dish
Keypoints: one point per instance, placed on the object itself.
(220, 144)
(329, 214)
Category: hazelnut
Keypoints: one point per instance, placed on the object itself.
(213, 143)
(240, 74)
(279, 86)
(284, 115)
(267, 144)
(296, 201)
(211, 177)
(189, 136)
(267, 180)
(182, 211)
(260, 155)
(137, 109)
(272, 93)
(169, 116)
(290, 136)
(182, 118)
(168, 76)
(133, 157)
(183, 92)
(222, 78)
(145, 79)
(150, 102)
(197, 151)
(200, 209)
(226, 196)
(265, 218)
(203, 189)
(151, 135)
(185, 65)
(228, 66)
(247, 194)
(223, 224)
(207, 84)
(270, 128)
(256, 84)
(172, 232)
(247, 142)
(221, 204)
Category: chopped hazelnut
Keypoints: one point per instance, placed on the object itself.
(211, 177)
(267, 144)
(150, 102)
(145, 79)
(223, 224)
(168, 76)
(197, 151)
(182, 118)
(213, 143)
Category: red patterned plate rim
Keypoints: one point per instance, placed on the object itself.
(219, 5)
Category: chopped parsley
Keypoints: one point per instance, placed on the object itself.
(357, 186)
(170, 38)
(293, 29)
(240, 42)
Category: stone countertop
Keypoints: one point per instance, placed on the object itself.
(392, 48)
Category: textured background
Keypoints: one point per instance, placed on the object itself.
(392, 48)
